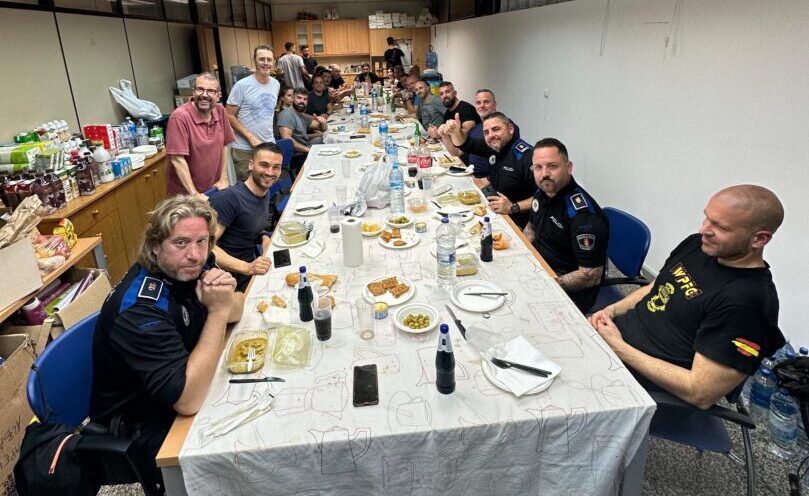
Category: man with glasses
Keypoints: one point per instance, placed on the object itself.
(567, 227)
(197, 139)
(251, 109)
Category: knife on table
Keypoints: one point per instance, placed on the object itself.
(318, 174)
(457, 322)
(256, 379)
(304, 209)
(485, 294)
(505, 364)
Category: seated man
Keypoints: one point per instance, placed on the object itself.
(711, 315)
(429, 110)
(566, 226)
(294, 123)
(162, 329)
(319, 101)
(242, 212)
(366, 75)
(510, 186)
(454, 106)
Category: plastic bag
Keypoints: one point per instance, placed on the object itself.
(137, 108)
(375, 184)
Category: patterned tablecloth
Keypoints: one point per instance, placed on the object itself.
(576, 437)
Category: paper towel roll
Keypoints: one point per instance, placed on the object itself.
(351, 228)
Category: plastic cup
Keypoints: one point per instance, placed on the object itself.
(321, 308)
(345, 164)
(365, 319)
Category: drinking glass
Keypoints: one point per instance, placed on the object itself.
(365, 319)
(456, 220)
(321, 308)
(346, 167)
(427, 185)
(341, 194)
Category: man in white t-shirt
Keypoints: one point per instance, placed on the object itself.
(292, 66)
(251, 109)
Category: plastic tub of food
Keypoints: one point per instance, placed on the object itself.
(292, 232)
(467, 264)
(417, 205)
(469, 197)
(237, 356)
(293, 347)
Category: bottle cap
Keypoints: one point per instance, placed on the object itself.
(486, 219)
(302, 268)
(444, 328)
(803, 350)
(445, 220)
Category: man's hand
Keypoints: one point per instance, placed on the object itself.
(221, 184)
(500, 204)
(432, 132)
(254, 142)
(602, 316)
(609, 331)
(201, 196)
(259, 266)
(215, 289)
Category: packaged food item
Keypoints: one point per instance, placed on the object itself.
(293, 347)
(292, 232)
(469, 197)
(467, 264)
(237, 356)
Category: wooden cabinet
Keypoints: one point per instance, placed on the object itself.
(310, 33)
(358, 39)
(117, 213)
(336, 37)
(342, 37)
(282, 32)
(421, 40)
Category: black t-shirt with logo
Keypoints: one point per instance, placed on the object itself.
(465, 110)
(571, 231)
(697, 305)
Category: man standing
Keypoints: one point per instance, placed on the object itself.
(449, 97)
(711, 315)
(294, 123)
(251, 109)
(319, 102)
(242, 212)
(197, 138)
(393, 55)
(309, 62)
(367, 75)
(510, 186)
(429, 109)
(161, 331)
(566, 226)
(292, 66)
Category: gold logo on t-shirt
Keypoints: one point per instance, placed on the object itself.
(687, 284)
(657, 303)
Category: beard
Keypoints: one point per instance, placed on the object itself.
(300, 107)
(449, 103)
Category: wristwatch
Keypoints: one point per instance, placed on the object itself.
(515, 208)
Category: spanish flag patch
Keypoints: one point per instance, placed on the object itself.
(745, 347)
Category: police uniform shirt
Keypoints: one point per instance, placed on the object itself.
(698, 305)
(570, 231)
(146, 330)
(510, 171)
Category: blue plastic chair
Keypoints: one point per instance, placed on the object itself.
(59, 388)
(627, 249)
(285, 144)
(679, 422)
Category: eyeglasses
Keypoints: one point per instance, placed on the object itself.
(210, 92)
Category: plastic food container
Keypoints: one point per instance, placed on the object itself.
(469, 197)
(467, 264)
(293, 347)
(417, 205)
(237, 361)
(292, 232)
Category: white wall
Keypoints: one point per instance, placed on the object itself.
(661, 103)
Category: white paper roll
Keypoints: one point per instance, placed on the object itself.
(351, 228)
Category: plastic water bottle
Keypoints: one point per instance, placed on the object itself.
(132, 132)
(783, 424)
(444, 363)
(143, 133)
(445, 253)
(363, 116)
(383, 131)
(748, 384)
(373, 99)
(763, 388)
(396, 179)
(803, 440)
(784, 353)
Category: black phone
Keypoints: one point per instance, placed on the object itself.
(489, 191)
(366, 389)
(280, 258)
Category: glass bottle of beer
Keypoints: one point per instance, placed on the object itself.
(445, 363)
(486, 241)
(305, 297)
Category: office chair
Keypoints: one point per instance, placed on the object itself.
(59, 388)
(677, 421)
(627, 248)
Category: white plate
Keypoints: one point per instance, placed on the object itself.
(437, 171)
(400, 226)
(147, 150)
(468, 172)
(408, 237)
(488, 371)
(388, 298)
(348, 154)
(279, 241)
(309, 213)
(320, 174)
(328, 151)
(415, 308)
(373, 233)
(466, 215)
(478, 304)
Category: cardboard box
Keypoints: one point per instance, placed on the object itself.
(88, 302)
(18, 264)
(38, 335)
(187, 82)
(15, 414)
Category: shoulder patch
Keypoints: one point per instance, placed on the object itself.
(150, 288)
(578, 201)
(520, 148)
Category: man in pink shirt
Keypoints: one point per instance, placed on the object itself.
(197, 140)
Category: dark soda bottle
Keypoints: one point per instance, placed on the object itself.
(305, 297)
(486, 241)
(444, 363)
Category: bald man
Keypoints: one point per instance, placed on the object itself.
(711, 315)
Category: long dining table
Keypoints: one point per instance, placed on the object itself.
(582, 435)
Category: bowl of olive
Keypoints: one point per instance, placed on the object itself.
(416, 318)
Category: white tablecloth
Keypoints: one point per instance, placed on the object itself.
(574, 438)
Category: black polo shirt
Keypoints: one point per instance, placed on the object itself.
(510, 170)
(571, 231)
(465, 110)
